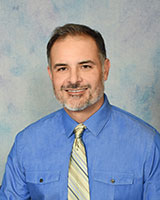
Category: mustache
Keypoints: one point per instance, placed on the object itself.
(75, 86)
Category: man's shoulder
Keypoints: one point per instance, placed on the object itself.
(132, 122)
(43, 125)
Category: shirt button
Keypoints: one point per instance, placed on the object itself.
(112, 181)
(41, 180)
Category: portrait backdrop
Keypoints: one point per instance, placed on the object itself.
(131, 30)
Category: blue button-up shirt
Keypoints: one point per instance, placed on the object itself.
(123, 155)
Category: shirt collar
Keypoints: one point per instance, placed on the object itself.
(99, 119)
(95, 123)
(68, 123)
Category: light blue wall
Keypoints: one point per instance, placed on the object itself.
(132, 33)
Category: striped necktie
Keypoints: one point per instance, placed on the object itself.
(78, 184)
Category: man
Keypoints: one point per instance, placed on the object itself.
(121, 153)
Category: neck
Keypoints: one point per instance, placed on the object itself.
(83, 115)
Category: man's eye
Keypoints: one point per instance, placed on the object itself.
(62, 69)
(86, 66)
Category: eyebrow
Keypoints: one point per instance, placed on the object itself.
(80, 63)
(87, 61)
(59, 64)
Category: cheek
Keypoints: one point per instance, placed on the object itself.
(95, 81)
(57, 83)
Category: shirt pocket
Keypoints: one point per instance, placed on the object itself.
(112, 185)
(113, 178)
(43, 184)
(43, 177)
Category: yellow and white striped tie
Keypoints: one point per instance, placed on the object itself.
(78, 184)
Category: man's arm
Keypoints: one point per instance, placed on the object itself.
(13, 185)
(152, 172)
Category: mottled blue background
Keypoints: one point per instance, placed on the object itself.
(132, 33)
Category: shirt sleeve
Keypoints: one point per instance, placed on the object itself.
(152, 172)
(13, 184)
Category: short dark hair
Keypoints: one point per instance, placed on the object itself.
(77, 29)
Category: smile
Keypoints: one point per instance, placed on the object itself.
(76, 92)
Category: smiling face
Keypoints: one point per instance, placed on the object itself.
(76, 72)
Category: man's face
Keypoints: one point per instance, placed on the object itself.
(76, 72)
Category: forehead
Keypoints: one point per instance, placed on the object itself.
(80, 44)
(75, 40)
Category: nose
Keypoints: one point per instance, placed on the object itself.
(74, 76)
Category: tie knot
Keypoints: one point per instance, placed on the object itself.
(79, 129)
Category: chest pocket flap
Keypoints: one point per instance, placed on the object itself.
(42, 177)
(113, 178)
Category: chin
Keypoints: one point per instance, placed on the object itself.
(76, 108)
(82, 106)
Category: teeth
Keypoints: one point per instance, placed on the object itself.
(76, 90)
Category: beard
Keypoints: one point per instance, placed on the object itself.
(80, 102)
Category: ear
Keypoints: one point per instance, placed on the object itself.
(106, 68)
(50, 72)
